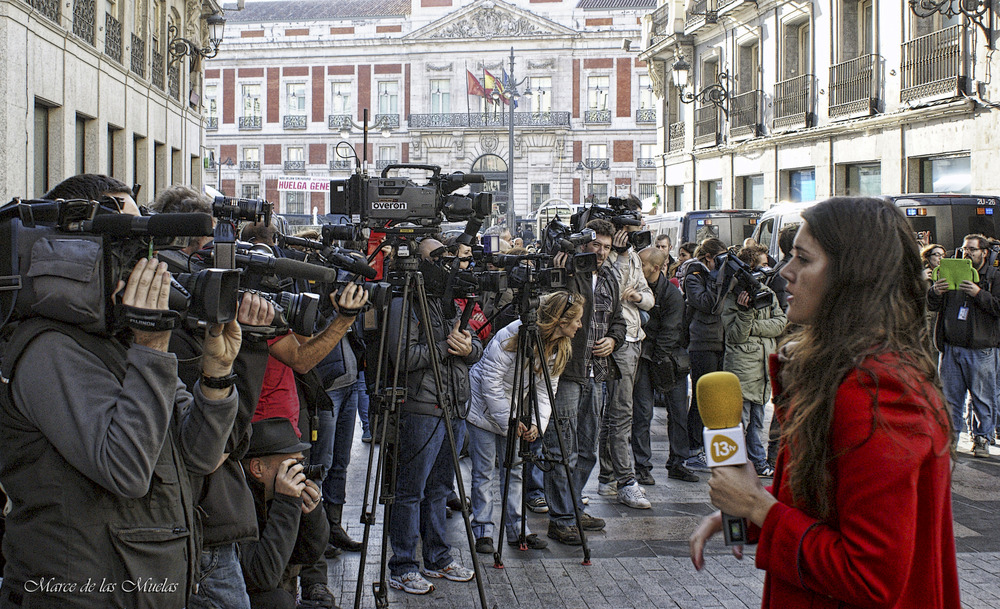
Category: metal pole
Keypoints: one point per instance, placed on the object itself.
(510, 153)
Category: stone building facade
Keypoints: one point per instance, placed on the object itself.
(90, 86)
(294, 79)
(839, 97)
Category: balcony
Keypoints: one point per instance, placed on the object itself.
(83, 20)
(642, 163)
(597, 116)
(744, 114)
(112, 38)
(661, 26)
(341, 165)
(249, 123)
(174, 81)
(211, 123)
(295, 121)
(156, 69)
(793, 102)
(675, 133)
(706, 126)
(249, 165)
(212, 166)
(383, 163)
(138, 56)
(49, 8)
(336, 121)
(932, 65)
(854, 86)
(645, 116)
(487, 119)
(385, 121)
(294, 165)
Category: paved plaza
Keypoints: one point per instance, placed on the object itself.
(641, 558)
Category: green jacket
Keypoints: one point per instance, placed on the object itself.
(751, 336)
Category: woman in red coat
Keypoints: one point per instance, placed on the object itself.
(859, 514)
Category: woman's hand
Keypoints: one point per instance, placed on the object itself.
(737, 491)
(709, 526)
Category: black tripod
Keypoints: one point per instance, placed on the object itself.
(387, 400)
(524, 408)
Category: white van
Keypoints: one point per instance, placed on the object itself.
(775, 219)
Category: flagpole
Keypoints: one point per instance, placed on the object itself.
(468, 102)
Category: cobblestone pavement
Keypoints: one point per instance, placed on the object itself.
(641, 558)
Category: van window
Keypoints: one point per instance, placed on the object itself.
(766, 233)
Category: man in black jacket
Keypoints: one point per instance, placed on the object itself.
(578, 396)
(663, 366)
(968, 334)
(292, 530)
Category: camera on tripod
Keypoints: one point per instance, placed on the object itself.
(375, 202)
(622, 213)
(558, 237)
(747, 279)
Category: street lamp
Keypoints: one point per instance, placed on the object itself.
(511, 94)
(590, 164)
(230, 163)
(178, 47)
(716, 94)
(382, 123)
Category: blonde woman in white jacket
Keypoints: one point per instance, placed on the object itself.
(559, 317)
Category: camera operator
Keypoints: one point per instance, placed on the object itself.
(283, 498)
(617, 472)
(224, 500)
(578, 398)
(100, 440)
(751, 338)
(425, 472)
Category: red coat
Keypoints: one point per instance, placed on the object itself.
(890, 543)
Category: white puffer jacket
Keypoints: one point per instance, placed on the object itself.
(493, 384)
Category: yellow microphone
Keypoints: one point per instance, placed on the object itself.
(720, 404)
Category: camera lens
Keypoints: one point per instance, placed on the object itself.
(313, 472)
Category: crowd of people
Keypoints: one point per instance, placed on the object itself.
(206, 465)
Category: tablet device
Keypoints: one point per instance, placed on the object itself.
(956, 270)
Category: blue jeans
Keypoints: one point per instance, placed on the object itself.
(363, 403)
(425, 477)
(334, 439)
(572, 401)
(485, 447)
(702, 362)
(643, 399)
(972, 371)
(753, 422)
(220, 580)
(616, 420)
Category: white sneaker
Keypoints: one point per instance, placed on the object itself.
(454, 571)
(607, 489)
(633, 497)
(412, 582)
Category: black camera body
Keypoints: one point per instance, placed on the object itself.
(747, 279)
(617, 212)
(558, 237)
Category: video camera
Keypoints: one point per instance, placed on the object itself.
(620, 213)
(557, 237)
(383, 201)
(747, 279)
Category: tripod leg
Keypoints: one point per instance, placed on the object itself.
(510, 442)
(445, 403)
(554, 420)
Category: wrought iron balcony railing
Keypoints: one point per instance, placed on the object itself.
(248, 123)
(645, 115)
(932, 64)
(745, 114)
(385, 121)
(341, 165)
(156, 69)
(854, 86)
(595, 163)
(83, 20)
(675, 135)
(793, 102)
(138, 56)
(174, 81)
(112, 38)
(336, 121)
(661, 25)
(294, 165)
(597, 116)
(211, 123)
(383, 163)
(295, 121)
(706, 126)
(249, 165)
(212, 166)
(643, 163)
(49, 8)
(487, 119)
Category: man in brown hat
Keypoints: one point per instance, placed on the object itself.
(292, 531)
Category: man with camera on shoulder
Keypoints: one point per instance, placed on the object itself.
(284, 498)
(99, 437)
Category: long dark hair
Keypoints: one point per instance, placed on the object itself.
(874, 305)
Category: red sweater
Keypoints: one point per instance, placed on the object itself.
(890, 543)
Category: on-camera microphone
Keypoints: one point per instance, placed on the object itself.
(286, 267)
(720, 404)
(353, 265)
(158, 225)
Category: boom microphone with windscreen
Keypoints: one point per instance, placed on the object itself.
(720, 404)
